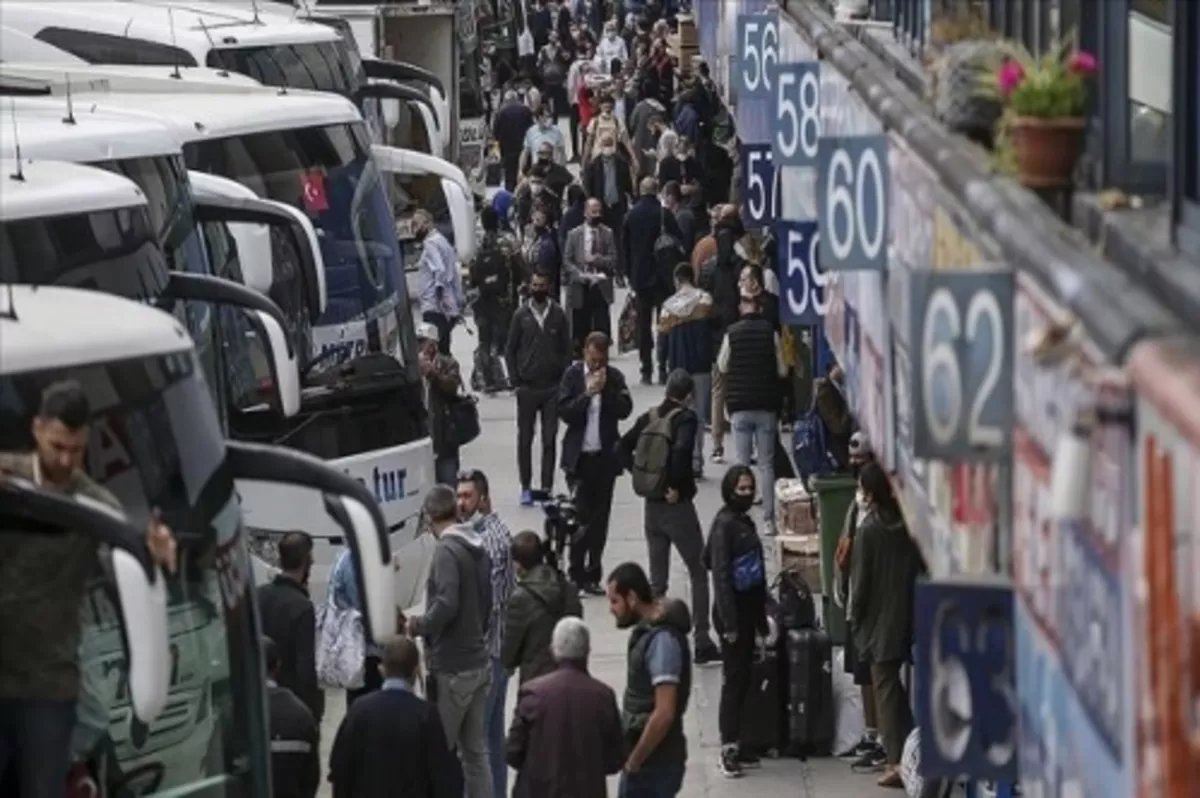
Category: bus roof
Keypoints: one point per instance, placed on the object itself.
(45, 129)
(195, 27)
(55, 188)
(197, 115)
(50, 327)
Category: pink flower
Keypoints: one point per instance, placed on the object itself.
(1082, 63)
(1010, 76)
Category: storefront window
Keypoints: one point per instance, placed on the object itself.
(1149, 80)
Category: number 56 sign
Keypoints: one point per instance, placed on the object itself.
(757, 54)
(962, 364)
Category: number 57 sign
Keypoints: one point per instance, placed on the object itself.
(962, 364)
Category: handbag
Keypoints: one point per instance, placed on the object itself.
(627, 326)
(341, 646)
(462, 415)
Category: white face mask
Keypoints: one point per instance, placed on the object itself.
(610, 34)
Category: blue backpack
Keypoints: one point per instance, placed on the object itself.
(808, 447)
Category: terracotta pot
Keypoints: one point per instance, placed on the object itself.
(1047, 149)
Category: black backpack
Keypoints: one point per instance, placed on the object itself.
(797, 609)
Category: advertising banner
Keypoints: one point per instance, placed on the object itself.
(1166, 559)
(1074, 652)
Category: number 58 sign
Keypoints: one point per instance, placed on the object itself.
(962, 364)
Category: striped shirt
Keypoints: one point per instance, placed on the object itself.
(497, 540)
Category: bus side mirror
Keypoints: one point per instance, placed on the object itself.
(141, 588)
(264, 316)
(350, 504)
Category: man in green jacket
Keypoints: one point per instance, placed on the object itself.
(541, 598)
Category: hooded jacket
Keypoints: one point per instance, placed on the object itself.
(458, 602)
(541, 598)
(884, 566)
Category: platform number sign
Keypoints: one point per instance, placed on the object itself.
(759, 186)
(801, 280)
(965, 674)
(758, 55)
(962, 364)
(852, 201)
(796, 126)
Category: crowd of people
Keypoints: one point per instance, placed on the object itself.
(654, 151)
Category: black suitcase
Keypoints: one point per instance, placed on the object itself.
(764, 715)
(811, 710)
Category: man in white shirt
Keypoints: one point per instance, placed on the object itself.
(611, 47)
(593, 399)
(441, 280)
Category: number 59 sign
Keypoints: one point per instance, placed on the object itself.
(962, 364)
(758, 53)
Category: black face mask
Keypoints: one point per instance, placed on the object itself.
(741, 504)
(544, 159)
(540, 296)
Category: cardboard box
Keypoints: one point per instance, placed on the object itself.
(795, 508)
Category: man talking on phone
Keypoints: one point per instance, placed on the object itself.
(593, 399)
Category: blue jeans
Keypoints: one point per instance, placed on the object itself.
(658, 781)
(493, 728)
(35, 743)
(445, 469)
(758, 430)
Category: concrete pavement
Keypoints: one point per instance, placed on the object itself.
(494, 453)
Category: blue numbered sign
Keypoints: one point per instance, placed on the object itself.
(966, 697)
(852, 199)
(962, 364)
(801, 281)
(760, 186)
(796, 122)
(757, 55)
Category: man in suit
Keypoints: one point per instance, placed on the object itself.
(394, 737)
(608, 177)
(592, 400)
(651, 280)
(589, 258)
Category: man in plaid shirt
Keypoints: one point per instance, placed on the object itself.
(475, 507)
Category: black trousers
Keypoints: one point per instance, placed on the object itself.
(372, 681)
(576, 141)
(532, 403)
(492, 322)
(557, 97)
(650, 342)
(445, 326)
(737, 670)
(594, 316)
(511, 163)
(594, 478)
(614, 218)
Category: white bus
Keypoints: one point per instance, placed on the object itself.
(156, 443)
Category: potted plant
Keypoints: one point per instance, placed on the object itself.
(1046, 101)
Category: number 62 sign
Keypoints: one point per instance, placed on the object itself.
(962, 364)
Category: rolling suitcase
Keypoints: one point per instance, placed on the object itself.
(812, 711)
(765, 712)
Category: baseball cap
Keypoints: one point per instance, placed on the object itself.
(860, 445)
(427, 332)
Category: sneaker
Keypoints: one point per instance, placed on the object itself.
(858, 749)
(593, 589)
(706, 652)
(646, 380)
(718, 454)
(873, 759)
(728, 763)
(748, 761)
(526, 497)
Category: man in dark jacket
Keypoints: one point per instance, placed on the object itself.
(657, 684)
(566, 734)
(288, 618)
(687, 322)
(648, 277)
(671, 519)
(685, 217)
(458, 608)
(545, 255)
(593, 398)
(721, 281)
(392, 737)
(295, 735)
(608, 177)
(509, 127)
(751, 358)
(542, 598)
(538, 352)
(492, 275)
(443, 379)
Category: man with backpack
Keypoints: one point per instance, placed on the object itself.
(659, 450)
(492, 276)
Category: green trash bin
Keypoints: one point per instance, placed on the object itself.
(834, 495)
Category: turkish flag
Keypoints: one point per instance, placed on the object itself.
(315, 200)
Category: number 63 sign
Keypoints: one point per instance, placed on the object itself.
(962, 364)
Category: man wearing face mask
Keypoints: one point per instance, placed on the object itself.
(441, 281)
(607, 125)
(288, 618)
(542, 252)
(593, 399)
(556, 176)
(609, 178)
(589, 259)
(552, 64)
(611, 47)
(510, 128)
(543, 133)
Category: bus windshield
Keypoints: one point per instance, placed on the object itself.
(155, 443)
(327, 172)
(119, 252)
(318, 66)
